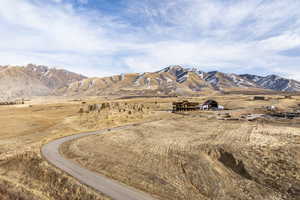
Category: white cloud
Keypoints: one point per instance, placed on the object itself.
(53, 35)
(240, 34)
(213, 33)
(49, 28)
(281, 42)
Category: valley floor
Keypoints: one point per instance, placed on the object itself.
(24, 173)
(176, 156)
(196, 158)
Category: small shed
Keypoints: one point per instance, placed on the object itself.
(288, 97)
(211, 104)
(259, 98)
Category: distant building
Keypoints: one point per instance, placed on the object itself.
(288, 97)
(259, 98)
(185, 106)
(210, 104)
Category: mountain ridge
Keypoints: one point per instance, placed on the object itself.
(33, 80)
(177, 80)
(275, 82)
(38, 80)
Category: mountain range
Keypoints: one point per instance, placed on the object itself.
(33, 80)
(36, 80)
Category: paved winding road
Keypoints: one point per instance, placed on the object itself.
(109, 187)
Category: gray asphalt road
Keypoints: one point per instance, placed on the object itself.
(111, 188)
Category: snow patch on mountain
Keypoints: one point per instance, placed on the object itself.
(212, 78)
(274, 82)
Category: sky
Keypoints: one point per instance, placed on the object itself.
(106, 37)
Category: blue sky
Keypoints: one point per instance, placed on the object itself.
(105, 37)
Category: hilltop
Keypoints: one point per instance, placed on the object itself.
(33, 80)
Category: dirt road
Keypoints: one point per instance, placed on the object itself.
(111, 188)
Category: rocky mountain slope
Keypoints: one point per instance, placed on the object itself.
(274, 82)
(33, 80)
(169, 81)
(173, 80)
(222, 81)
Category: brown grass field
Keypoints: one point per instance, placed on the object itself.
(176, 156)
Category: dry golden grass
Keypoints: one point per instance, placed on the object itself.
(198, 157)
(24, 174)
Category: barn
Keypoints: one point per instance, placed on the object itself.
(210, 104)
(288, 97)
(185, 106)
(259, 98)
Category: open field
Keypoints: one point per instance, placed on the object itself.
(199, 157)
(196, 158)
(24, 174)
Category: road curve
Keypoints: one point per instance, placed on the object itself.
(109, 187)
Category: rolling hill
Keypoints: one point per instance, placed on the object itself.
(33, 80)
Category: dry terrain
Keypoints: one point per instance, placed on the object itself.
(196, 156)
(175, 156)
(24, 174)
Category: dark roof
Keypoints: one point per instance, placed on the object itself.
(186, 103)
(211, 103)
(259, 98)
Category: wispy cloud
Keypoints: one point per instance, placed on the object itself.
(55, 34)
(88, 37)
